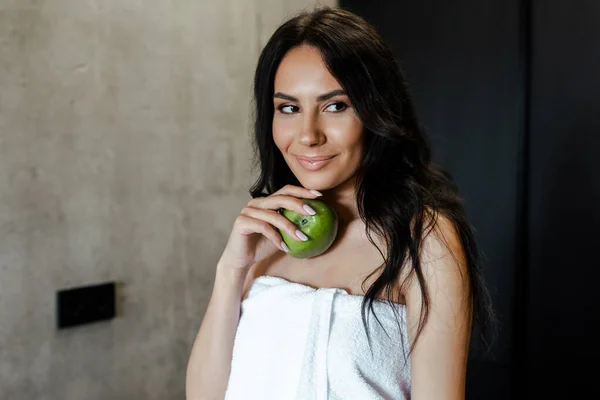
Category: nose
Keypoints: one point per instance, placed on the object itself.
(311, 134)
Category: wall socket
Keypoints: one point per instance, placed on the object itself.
(86, 304)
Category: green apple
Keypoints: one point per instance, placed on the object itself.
(321, 230)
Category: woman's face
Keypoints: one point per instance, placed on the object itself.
(314, 124)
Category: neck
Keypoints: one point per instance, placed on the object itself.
(343, 199)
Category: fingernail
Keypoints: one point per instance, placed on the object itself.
(309, 209)
(316, 192)
(301, 236)
(285, 247)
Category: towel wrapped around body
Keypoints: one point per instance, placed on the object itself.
(295, 342)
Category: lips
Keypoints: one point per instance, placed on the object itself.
(314, 163)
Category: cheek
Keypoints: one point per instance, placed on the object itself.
(279, 136)
(349, 137)
(282, 133)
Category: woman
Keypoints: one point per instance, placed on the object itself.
(388, 310)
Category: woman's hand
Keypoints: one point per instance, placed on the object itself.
(254, 232)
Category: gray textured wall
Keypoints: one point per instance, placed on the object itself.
(124, 155)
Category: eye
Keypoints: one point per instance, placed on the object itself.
(340, 104)
(285, 108)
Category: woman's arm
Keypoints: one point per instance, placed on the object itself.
(439, 358)
(209, 365)
(254, 236)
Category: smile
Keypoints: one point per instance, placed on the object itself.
(314, 163)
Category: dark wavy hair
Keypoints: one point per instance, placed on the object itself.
(397, 208)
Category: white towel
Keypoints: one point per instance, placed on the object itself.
(299, 343)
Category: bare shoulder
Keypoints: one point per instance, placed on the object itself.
(263, 267)
(441, 241)
(442, 258)
(254, 272)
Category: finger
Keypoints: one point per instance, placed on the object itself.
(298, 191)
(275, 219)
(248, 225)
(277, 202)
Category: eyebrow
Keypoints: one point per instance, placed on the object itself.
(323, 97)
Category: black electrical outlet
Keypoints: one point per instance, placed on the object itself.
(84, 305)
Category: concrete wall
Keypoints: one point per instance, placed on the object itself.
(124, 155)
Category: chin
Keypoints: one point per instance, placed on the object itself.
(317, 183)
